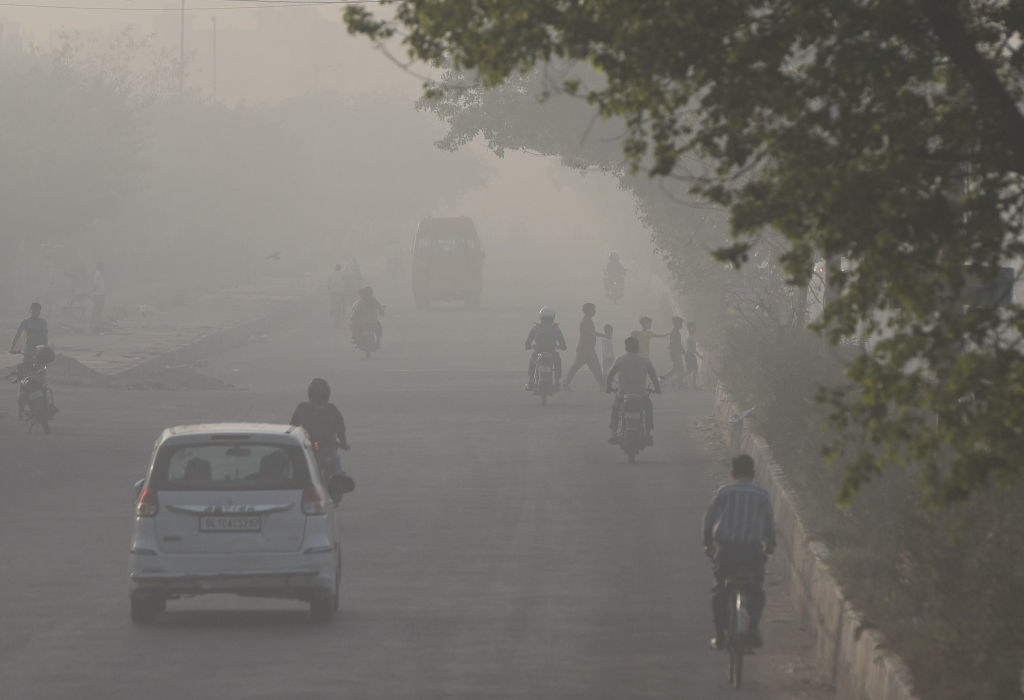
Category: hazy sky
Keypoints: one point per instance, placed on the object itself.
(263, 52)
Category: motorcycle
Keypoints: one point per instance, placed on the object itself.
(364, 335)
(545, 379)
(632, 435)
(338, 482)
(614, 287)
(35, 398)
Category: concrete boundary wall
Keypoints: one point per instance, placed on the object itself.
(853, 656)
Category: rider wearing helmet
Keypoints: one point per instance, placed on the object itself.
(367, 310)
(545, 336)
(614, 268)
(322, 421)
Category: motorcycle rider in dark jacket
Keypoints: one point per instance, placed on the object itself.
(324, 424)
(545, 336)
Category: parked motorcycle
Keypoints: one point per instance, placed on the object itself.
(545, 378)
(35, 398)
(632, 435)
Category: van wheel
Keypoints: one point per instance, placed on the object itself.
(146, 608)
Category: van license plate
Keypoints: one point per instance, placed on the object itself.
(633, 416)
(233, 523)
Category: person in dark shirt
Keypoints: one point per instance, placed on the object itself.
(739, 534)
(586, 348)
(324, 424)
(35, 331)
(545, 336)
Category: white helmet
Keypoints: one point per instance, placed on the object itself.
(547, 312)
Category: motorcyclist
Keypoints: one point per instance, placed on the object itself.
(545, 336)
(36, 333)
(324, 424)
(634, 370)
(614, 269)
(367, 311)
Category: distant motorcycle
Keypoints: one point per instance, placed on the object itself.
(614, 287)
(545, 381)
(365, 333)
(35, 398)
(632, 435)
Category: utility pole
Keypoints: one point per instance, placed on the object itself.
(181, 52)
(214, 21)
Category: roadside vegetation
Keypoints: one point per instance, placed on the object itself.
(858, 164)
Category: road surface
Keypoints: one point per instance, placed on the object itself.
(492, 549)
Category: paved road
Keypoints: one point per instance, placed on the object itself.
(493, 549)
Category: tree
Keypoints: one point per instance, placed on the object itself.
(886, 133)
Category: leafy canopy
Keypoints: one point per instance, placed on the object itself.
(885, 132)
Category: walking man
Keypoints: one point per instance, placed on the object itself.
(586, 349)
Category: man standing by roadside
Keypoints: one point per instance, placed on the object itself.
(739, 534)
(99, 296)
(35, 331)
(586, 348)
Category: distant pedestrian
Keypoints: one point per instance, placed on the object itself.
(607, 350)
(693, 357)
(336, 288)
(645, 334)
(675, 351)
(99, 296)
(586, 349)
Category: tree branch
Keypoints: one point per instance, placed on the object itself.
(997, 105)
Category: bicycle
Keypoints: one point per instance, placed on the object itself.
(737, 587)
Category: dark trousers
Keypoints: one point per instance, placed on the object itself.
(648, 413)
(588, 357)
(732, 559)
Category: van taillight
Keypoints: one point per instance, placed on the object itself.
(148, 504)
(313, 501)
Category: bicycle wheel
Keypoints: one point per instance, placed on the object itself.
(735, 645)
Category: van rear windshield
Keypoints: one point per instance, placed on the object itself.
(220, 466)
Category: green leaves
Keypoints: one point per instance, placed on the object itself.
(887, 134)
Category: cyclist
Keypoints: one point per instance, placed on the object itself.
(739, 534)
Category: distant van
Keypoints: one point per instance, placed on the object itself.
(447, 262)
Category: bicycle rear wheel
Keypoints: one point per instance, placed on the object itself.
(735, 645)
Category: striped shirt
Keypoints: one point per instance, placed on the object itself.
(741, 513)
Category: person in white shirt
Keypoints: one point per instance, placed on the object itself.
(336, 288)
(607, 350)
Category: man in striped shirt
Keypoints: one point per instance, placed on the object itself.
(739, 533)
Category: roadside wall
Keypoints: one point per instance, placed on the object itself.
(852, 655)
